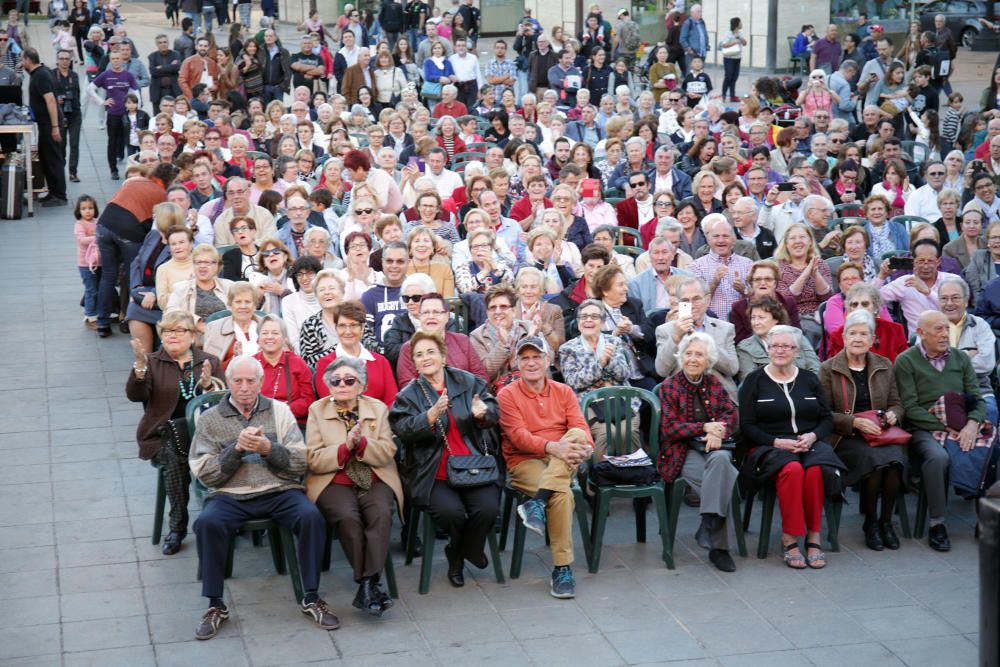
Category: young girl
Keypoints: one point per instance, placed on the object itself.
(136, 121)
(62, 37)
(88, 259)
(951, 122)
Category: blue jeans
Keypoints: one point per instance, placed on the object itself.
(116, 253)
(90, 280)
(208, 13)
(521, 85)
(992, 413)
(195, 19)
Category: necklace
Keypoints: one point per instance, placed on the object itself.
(277, 379)
(187, 392)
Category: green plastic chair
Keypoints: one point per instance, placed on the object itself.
(618, 419)
(479, 146)
(795, 63)
(223, 249)
(630, 250)
(617, 193)
(429, 537)
(769, 497)
(390, 570)
(623, 233)
(512, 499)
(847, 221)
(909, 220)
(851, 210)
(614, 201)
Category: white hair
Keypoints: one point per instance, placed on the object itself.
(698, 337)
(244, 360)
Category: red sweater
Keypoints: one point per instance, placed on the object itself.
(460, 355)
(381, 383)
(522, 208)
(275, 384)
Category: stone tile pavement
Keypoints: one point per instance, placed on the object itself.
(81, 584)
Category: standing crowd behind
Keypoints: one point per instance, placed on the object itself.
(407, 269)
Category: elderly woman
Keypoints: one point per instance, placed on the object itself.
(444, 413)
(143, 309)
(318, 335)
(236, 333)
(885, 235)
(542, 317)
(541, 246)
(698, 422)
(605, 236)
(856, 242)
(357, 275)
(785, 420)
(765, 313)
(352, 475)
(404, 324)
(361, 217)
(239, 262)
(446, 134)
(972, 240)
(422, 248)
(484, 270)
(164, 381)
(272, 275)
(435, 317)
(205, 294)
(628, 322)
(496, 340)
(321, 246)
(349, 320)
(179, 268)
(428, 207)
(592, 360)
(984, 263)
(858, 380)
(301, 304)
(890, 337)
(949, 224)
(805, 277)
(762, 280)
(704, 187)
(849, 274)
(691, 237)
(287, 378)
(564, 253)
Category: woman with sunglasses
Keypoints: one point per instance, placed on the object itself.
(271, 276)
(816, 95)
(448, 412)
(349, 321)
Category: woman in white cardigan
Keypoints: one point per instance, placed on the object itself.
(206, 293)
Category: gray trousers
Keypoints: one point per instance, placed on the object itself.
(933, 460)
(713, 477)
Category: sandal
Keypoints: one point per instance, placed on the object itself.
(815, 558)
(793, 560)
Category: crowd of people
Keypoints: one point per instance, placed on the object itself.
(397, 259)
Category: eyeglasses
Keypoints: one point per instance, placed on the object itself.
(781, 347)
(935, 173)
(694, 299)
(364, 211)
(241, 229)
(590, 317)
(435, 313)
(348, 326)
(860, 304)
(481, 246)
(241, 191)
(663, 202)
(984, 186)
(297, 209)
(302, 275)
(411, 298)
(992, 239)
(272, 251)
(499, 308)
(762, 279)
(347, 381)
(358, 246)
(175, 332)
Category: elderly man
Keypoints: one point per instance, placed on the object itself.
(777, 217)
(923, 374)
(918, 292)
(972, 335)
(652, 286)
(164, 66)
(946, 42)
(449, 104)
(818, 212)
(671, 230)
(694, 35)
(237, 203)
(840, 83)
(545, 439)
(586, 130)
(723, 270)
(664, 176)
(249, 453)
(992, 160)
(424, 50)
(357, 75)
(992, 130)
(924, 200)
(826, 52)
(670, 333)
(744, 215)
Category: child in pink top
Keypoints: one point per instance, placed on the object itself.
(88, 259)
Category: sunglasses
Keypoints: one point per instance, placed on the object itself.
(364, 211)
(272, 251)
(411, 298)
(348, 381)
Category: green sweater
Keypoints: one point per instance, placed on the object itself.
(920, 385)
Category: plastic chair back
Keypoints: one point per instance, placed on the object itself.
(909, 220)
(616, 402)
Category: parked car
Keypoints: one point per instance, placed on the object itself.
(961, 17)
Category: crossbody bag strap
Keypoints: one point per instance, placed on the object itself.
(288, 379)
(843, 387)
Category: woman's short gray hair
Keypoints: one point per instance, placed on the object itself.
(275, 319)
(698, 337)
(784, 329)
(421, 280)
(865, 289)
(592, 303)
(860, 316)
(954, 280)
(317, 231)
(355, 365)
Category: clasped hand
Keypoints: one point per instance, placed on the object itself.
(252, 439)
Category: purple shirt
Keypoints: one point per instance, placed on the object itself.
(827, 53)
(116, 86)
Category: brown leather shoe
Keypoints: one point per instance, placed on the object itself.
(210, 622)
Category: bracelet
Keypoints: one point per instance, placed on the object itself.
(139, 371)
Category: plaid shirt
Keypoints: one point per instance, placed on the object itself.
(725, 294)
(677, 425)
(504, 69)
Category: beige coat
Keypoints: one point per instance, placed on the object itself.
(184, 294)
(219, 336)
(326, 434)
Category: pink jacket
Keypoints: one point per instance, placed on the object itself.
(85, 236)
(601, 214)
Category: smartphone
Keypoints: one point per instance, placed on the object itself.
(683, 309)
(786, 187)
(901, 263)
(419, 162)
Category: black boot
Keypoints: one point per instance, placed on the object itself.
(709, 524)
(366, 598)
(873, 540)
(383, 598)
(456, 566)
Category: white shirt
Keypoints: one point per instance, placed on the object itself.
(466, 68)
(663, 182)
(923, 202)
(296, 308)
(645, 209)
(350, 55)
(446, 182)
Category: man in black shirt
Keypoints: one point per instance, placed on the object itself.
(417, 13)
(45, 109)
(67, 85)
(277, 67)
(307, 67)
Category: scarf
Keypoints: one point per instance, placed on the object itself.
(248, 341)
(357, 471)
(897, 201)
(438, 62)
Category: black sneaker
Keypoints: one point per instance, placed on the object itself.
(74, 178)
(103, 332)
(53, 202)
(321, 613)
(532, 513)
(115, 176)
(210, 622)
(563, 584)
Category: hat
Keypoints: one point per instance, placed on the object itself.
(622, 12)
(876, 28)
(591, 187)
(531, 341)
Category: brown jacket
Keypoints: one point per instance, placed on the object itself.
(160, 391)
(191, 70)
(881, 386)
(354, 78)
(326, 434)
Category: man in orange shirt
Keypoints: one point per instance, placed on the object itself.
(545, 439)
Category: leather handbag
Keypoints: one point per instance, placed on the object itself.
(890, 435)
(469, 470)
(175, 437)
(431, 90)
(698, 444)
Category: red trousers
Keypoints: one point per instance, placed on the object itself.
(800, 498)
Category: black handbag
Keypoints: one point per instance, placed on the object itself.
(604, 473)
(470, 470)
(698, 444)
(175, 436)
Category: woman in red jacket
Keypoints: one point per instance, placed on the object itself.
(349, 318)
(286, 376)
(890, 337)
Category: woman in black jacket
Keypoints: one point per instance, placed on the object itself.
(447, 412)
(596, 76)
(785, 420)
